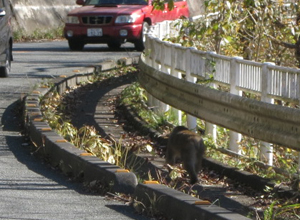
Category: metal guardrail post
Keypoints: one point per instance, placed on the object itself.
(163, 55)
(161, 106)
(266, 149)
(210, 129)
(147, 50)
(191, 120)
(178, 113)
(157, 105)
(234, 137)
(149, 59)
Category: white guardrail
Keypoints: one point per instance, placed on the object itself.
(163, 63)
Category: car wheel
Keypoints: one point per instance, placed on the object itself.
(139, 45)
(4, 70)
(76, 45)
(114, 45)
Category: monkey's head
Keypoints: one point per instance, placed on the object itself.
(179, 128)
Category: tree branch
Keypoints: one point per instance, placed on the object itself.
(285, 44)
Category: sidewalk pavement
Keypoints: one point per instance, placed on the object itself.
(31, 189)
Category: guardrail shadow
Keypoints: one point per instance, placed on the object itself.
(87, 48)
(17, 144)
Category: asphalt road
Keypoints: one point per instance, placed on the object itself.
(30, 189)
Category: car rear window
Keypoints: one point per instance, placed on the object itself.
(116, 2)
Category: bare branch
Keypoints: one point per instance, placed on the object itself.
(285, 44)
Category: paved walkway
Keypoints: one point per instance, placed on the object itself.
(95, 108)
(30, 189)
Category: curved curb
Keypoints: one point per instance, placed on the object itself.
(178, 205)
(79, 164)
(71, 160)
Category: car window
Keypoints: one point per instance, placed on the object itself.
(116, 2)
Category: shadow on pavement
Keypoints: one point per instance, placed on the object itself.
(87, 48)
(85, 111)
(126, 211)
(18, 145)
(11, 122)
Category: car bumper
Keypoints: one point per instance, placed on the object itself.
(121, 34)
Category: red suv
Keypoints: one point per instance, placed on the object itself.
(116, 21)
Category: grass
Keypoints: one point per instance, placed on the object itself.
(86, 137)
(38, 34)
(135, 97)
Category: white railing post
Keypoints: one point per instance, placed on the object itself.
(164, 68)
(149, 59)
(234, 137)
(190, 120)
(155, 54)
(161, 107)
(298, 163)
(266, 149)
(150, 100)
(210, 129)
(154, 103)
(148, 50)
(178, 113)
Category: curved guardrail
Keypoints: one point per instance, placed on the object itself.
(271, 124)
(267, 122)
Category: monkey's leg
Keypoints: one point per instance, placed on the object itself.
(200, 154)
(198, 165)
(189, 162)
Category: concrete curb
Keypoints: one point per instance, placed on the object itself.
(62, 154)
(77, 163)
(178, 205)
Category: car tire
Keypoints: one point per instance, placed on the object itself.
(114, 45)
(76, 45)
(4, 70)
(139, 45)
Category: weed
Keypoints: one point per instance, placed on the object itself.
(38, 34)
(150, 207)
(282, 211)
(135, 97)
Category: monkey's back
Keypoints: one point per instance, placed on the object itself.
(184, 140)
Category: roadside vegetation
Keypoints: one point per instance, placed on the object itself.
(259, 30)
(38, 35)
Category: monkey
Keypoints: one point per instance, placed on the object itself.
(187, 146)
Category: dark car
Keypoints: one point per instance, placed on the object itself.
(6, 39)
(116, 21)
